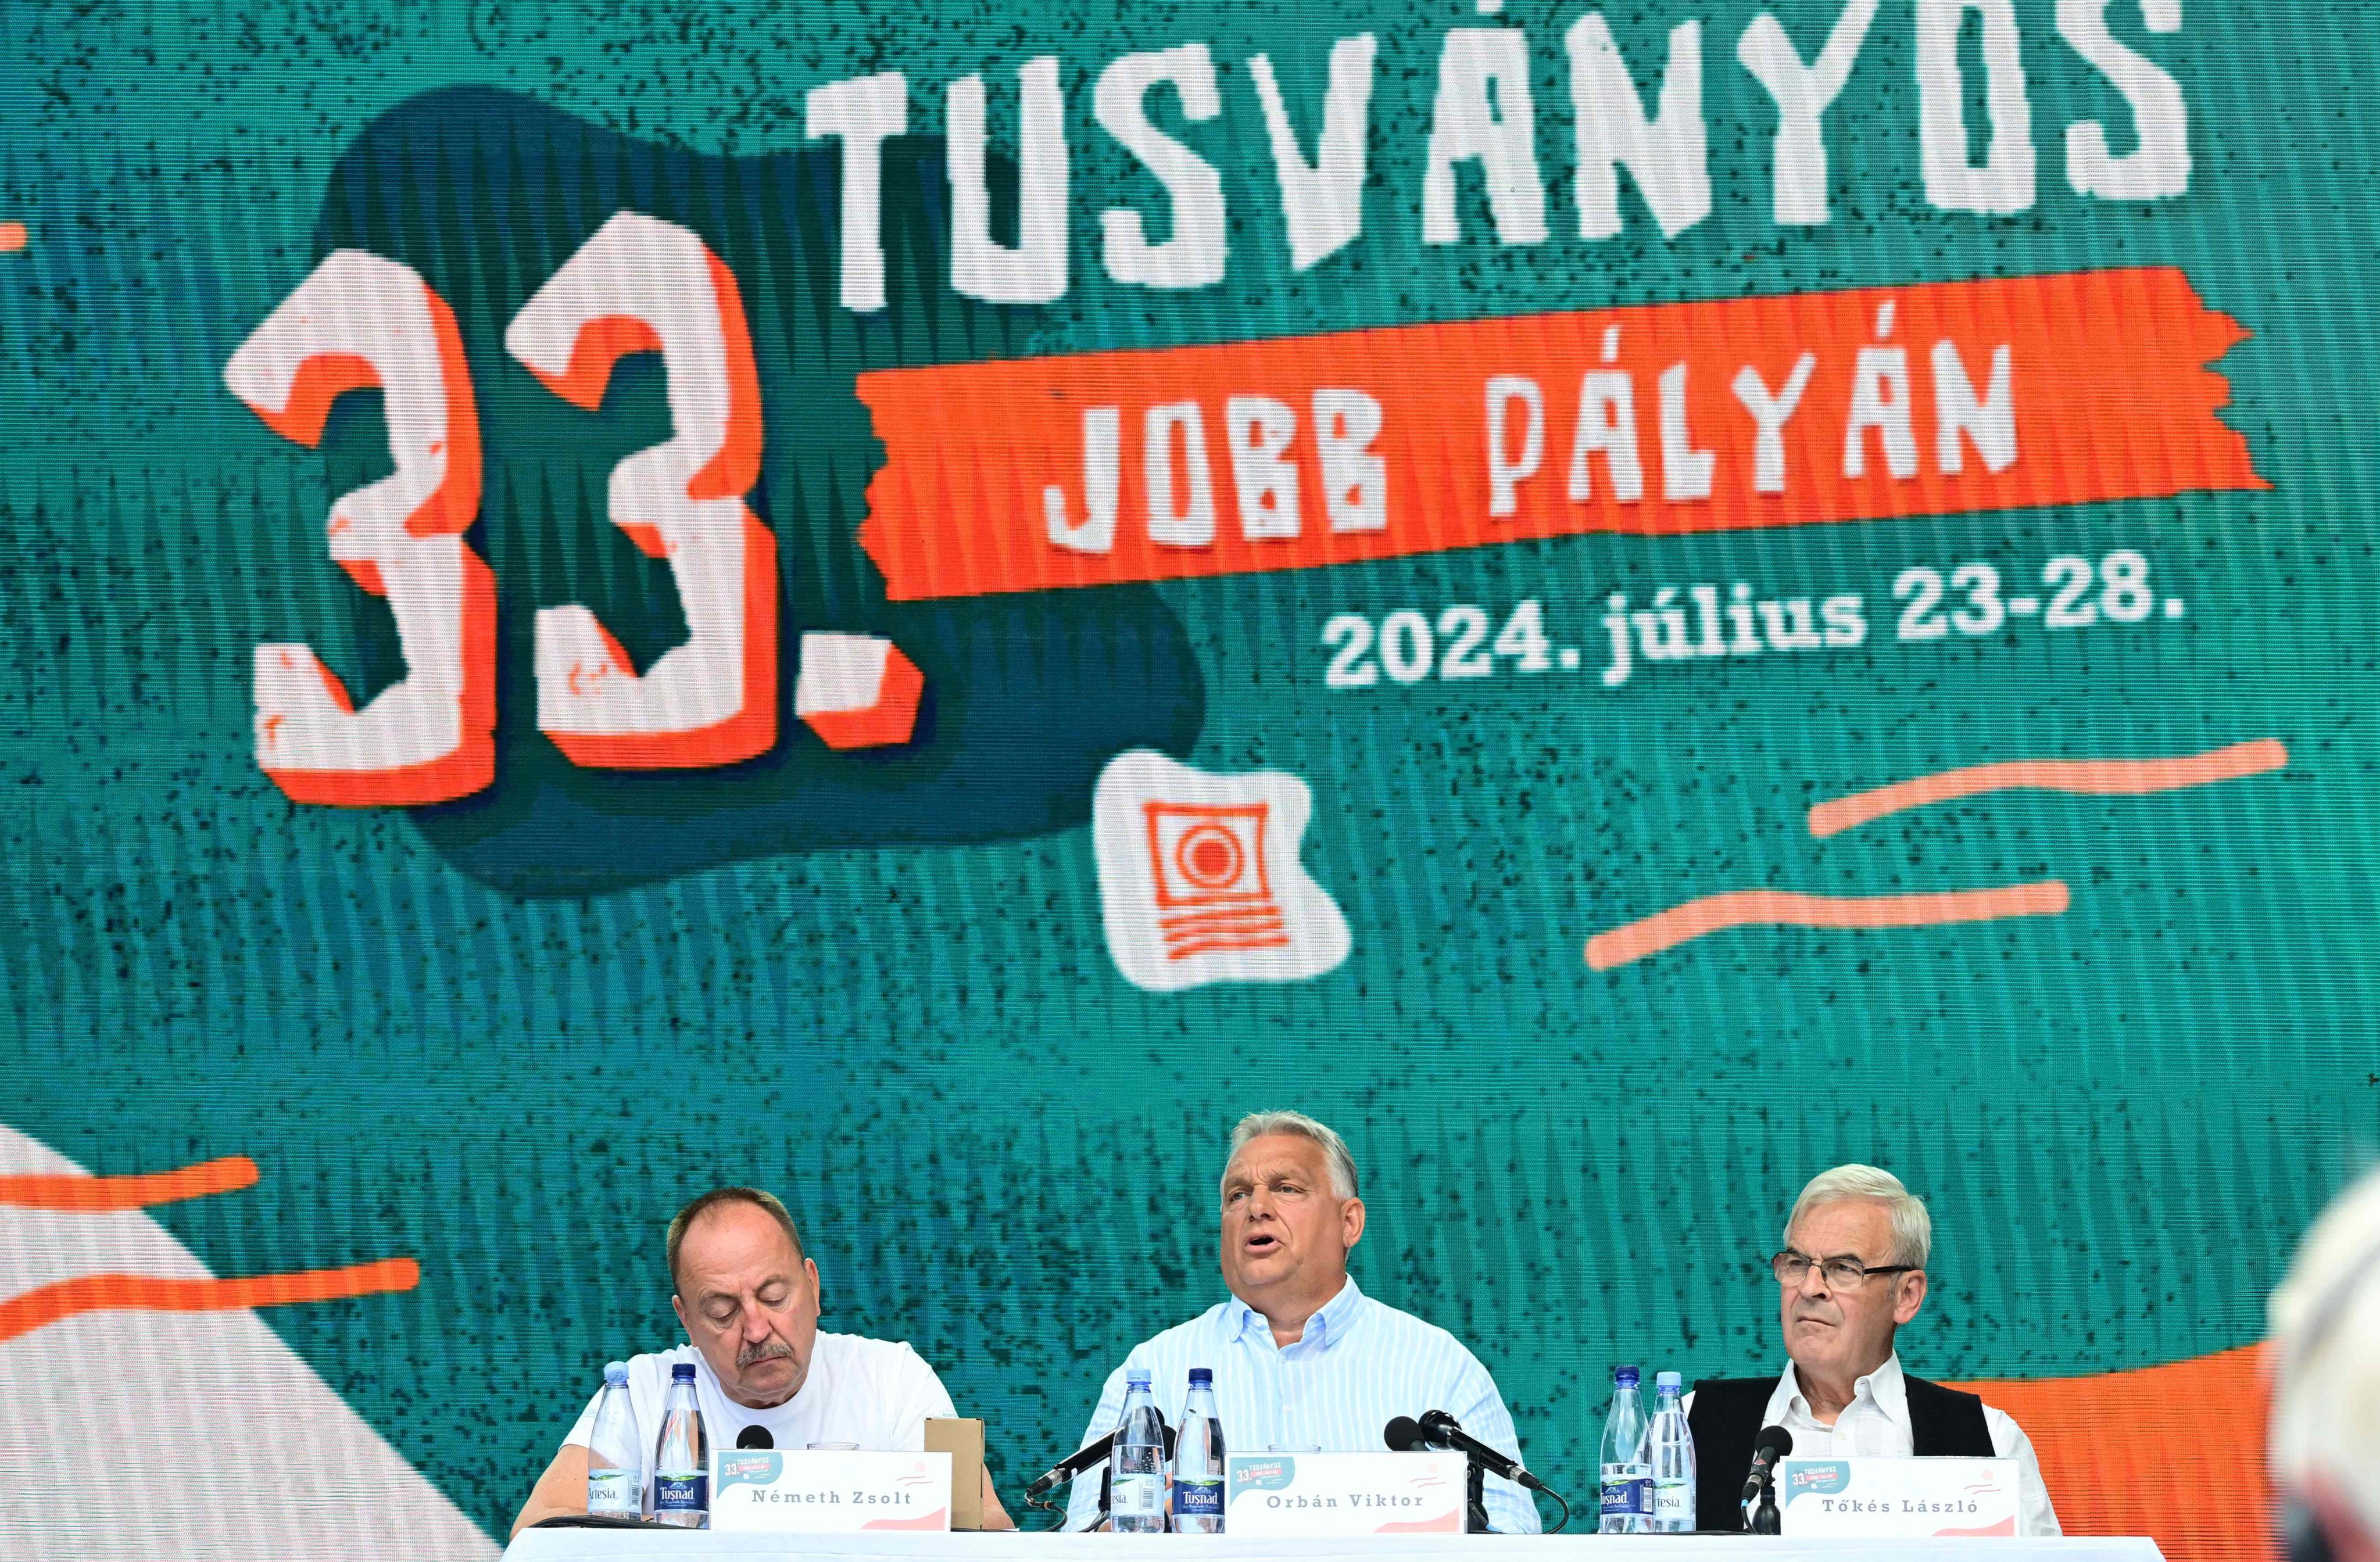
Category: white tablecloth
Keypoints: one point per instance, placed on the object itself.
(693, 1545)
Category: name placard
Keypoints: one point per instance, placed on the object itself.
(1380, 1494)
(1898, 1497)
(786, 1491)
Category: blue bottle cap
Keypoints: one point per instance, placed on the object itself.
(616, 1373)
(1136, 1378)
(1624, 1376)
(1669, 1380)
(1202, 1375)
(682, 1373)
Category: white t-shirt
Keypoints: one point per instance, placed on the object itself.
(873, 1393)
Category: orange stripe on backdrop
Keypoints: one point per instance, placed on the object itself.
(107, 1293)
(97, 1194)
(2174, 1452)
(2102, 778)
(1784, 908)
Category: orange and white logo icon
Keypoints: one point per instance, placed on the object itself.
(1199, 878)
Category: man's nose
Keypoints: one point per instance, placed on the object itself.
(1814, 1281)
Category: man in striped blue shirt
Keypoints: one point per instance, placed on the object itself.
(1302, 1360)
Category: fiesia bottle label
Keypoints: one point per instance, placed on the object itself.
(1672, 1503)
(1198, 1499)
(1136, 1497)
(682, 1494)
(612, 1491)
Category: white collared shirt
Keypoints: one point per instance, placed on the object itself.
(1357, 1364)
(1875, 1424)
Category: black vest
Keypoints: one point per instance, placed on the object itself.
(1726, 1423)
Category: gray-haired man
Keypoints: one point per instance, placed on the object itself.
(1851, 1272)
(1301, 1359)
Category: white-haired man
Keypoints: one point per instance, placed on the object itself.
(1301, 1359)
(1851, 1273)
(2325, 1442)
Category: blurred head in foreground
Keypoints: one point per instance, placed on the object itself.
(2326, 1442)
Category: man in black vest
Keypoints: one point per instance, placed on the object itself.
(1852, 1271)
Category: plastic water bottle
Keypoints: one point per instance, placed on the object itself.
(1198, 1461)
(615, 1464)
(1137, 1463)
(682, 1457)
(1625, 1476)
(1669, 1454)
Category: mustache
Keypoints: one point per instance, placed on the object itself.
(765, 1350)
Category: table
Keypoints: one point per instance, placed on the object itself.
(698, 1545)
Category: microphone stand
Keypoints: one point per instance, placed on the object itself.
(1475, 1500)
(1764, 1519)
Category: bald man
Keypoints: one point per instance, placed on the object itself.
(748, 1297)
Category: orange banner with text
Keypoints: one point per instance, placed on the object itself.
(1668, 419)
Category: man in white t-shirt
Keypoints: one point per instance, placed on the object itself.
(748, 1297)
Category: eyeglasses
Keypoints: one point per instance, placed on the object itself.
(1840, 1274)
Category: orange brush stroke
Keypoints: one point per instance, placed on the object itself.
(1742, 908)
(93, 1195)
(12, 238)
(147, 1293)
(2105, 778)
(2174, 1452)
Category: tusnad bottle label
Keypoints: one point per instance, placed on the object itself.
(1198, 1499)
(682, 1494)
(1626, 1494)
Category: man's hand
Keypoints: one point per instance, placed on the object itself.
(995, 1516)
(562, 1489)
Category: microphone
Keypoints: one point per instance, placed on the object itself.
(1774, 1444)
(1074, 1464)
(755, 1436)
(1438, 1429)
(1082, 1458)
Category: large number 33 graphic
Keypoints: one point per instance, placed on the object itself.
(640, 284)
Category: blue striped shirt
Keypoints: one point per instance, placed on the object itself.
(1359, 1365)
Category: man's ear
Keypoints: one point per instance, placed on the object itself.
(679, 1308)
(1912, 1297)
(1350, 1222)
(818, 1291)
